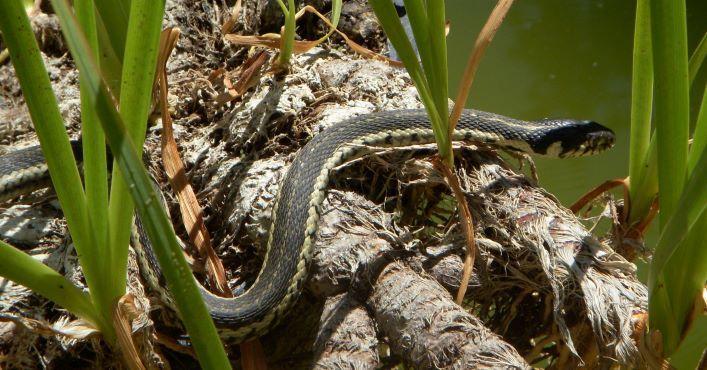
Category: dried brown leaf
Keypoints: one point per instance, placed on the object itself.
(230, 22)
(188, 204)
(123, 314)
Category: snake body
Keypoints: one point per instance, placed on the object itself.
(297, 206)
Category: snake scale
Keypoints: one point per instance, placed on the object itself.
(302, 191)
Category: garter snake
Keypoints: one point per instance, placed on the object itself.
(302, 191)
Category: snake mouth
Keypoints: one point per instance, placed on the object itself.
(600, 141)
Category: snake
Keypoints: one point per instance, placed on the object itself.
(301, 193)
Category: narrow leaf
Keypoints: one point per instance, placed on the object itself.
(139, 68)
(95, 170)
(641, 109)
(697, 58)
(388, 18)
(158, 226)
(49, 125)
(19, 267)
(699, 137)
(669, 35)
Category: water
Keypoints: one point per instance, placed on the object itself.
(566, 58)
(559, 58)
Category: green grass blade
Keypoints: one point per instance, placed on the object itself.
(682, 241)
(114, 15)
(388, 18)
(697, 58)
(685, 275)
(112, 26)
(283, 7)
(680, 204)
(94, 167)
(669, 35)
(49, 125)
(699, 137)
(139, 68)
(180, 280)
(679, 285)
(288, 40)
(438, 78)
(335, 15)
(421, 25)
(28, 4)
(417, 14)
(647, 186)
(423, 32)
(641, 109)
(687, 356)
(19, 267)
(111, 66)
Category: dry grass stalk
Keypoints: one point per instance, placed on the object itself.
(248, 75)
(252, 356)
(230, 22)
(597, 191)
(188, 204)
(467, 225)
(482, 41)
(123, 313)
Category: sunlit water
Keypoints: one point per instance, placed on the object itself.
(559, 58)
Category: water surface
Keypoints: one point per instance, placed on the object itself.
(559, 58)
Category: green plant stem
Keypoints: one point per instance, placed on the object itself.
(699, 137)
(114, 16)
(19, 267)
(669, 35)
(697, 58)
(49, 125)
(438, 78)
(182, 284)
(684, 274)
(646, 187)
(641, 109)
(679, 267)
(94, 166)
(388, 18)
(135, 98)
(288, 39)
(426, 26)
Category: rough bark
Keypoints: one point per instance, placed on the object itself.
(346, 337)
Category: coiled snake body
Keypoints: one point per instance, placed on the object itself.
(302, 191)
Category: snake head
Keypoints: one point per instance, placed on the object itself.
(573, 138)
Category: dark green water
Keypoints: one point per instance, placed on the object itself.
(559, 58)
